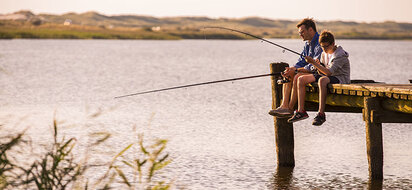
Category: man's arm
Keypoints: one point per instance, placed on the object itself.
(317, 53)
(301, 61)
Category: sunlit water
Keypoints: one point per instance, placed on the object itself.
(220, 136)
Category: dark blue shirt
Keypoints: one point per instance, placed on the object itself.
(311, 49)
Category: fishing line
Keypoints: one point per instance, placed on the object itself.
(204, 34)
(218, 81)
(251, 35)
(197, 84)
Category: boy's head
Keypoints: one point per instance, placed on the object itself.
(306, 28)
(326, 40)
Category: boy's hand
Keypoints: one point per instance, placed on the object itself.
(309, 59)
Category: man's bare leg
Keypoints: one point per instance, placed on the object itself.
(283, 109)
(294, 93)
(302, 81)
(286, 91)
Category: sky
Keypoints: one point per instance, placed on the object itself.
(320, 10)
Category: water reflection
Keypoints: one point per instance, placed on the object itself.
(282, 178)
(287, 178)
(375, 184)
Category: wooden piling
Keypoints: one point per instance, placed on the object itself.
(374, 142)
(283, 130)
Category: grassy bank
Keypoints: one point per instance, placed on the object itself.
(10, 29)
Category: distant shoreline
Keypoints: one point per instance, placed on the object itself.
(92, 25)
(82, 32)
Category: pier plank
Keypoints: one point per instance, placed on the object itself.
(397, 97)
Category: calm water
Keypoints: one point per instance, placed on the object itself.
(220, 136)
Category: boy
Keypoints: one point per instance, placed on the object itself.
(336, 70)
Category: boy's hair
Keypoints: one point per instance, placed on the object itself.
(326, 37)
(308, 23)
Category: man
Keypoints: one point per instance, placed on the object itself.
(307, 31)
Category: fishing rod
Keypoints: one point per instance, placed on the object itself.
(197, 84)
(218, 81)
(233, 30)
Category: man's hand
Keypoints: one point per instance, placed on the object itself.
(289, 72)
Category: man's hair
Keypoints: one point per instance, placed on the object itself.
(326, 37)
(308, 23)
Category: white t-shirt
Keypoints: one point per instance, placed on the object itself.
(328, 58)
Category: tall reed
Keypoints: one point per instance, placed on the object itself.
(58, 167)
(142, 165)
(8, 163)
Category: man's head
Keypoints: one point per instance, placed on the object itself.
(306, 29)
(326, 41)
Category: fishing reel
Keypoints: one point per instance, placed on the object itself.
(283, 80)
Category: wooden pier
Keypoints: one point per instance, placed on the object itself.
(378, 102)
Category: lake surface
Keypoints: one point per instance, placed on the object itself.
(220, 136)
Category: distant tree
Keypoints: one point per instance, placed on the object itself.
(36, 21)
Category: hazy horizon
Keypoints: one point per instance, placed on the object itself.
(350, 10)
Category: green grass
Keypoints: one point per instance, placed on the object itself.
(22, 30)
(92, 25)
(52, 33)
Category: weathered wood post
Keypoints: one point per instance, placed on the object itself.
(374, 143)
(375, 183)
(283, 130)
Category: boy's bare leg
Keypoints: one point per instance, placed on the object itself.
(301, 88)
(323, 82)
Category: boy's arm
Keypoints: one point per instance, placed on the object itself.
(303, 70)
(338, 63)
(317, 64)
